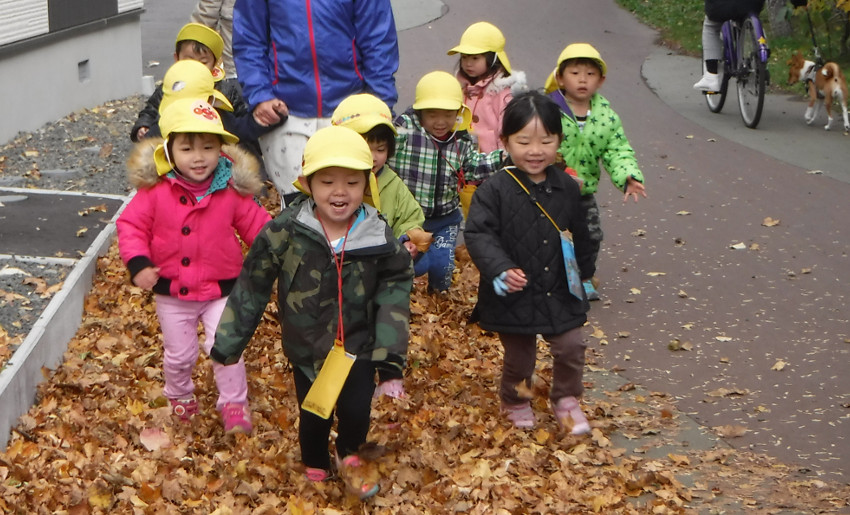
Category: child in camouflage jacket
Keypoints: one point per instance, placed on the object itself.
(306, 248)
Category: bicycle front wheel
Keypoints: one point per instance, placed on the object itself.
(751, 76)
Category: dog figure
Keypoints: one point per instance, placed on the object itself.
(824, 84)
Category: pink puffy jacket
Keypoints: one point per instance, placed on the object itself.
(487, 99)
(194, 243)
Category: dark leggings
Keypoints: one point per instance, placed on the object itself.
(521, 355)
(353, 412)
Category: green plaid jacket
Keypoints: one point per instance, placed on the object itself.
(432, 169)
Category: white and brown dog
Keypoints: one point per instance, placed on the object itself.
(825, 85)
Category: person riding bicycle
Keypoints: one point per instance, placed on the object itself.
(717, 12)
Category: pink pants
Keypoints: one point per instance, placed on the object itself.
(179, 322)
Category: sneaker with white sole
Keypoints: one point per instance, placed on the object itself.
(570, 416)
(184, 409)
(353, 478)
(708, 82)
(236, 418)
(521, 415)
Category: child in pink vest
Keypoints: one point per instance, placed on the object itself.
(484, 72)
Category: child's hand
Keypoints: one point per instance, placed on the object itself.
(515, 279)
(509, 281)
(147, 278)
(141, 132)
(633, 189)
(268, 112)
(411, 247)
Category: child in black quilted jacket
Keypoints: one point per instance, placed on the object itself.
(514, 236)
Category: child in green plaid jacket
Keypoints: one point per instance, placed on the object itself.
(436, 157)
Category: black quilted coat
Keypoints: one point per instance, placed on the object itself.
(722, 10)
(505, 229)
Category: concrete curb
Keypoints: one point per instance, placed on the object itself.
(48, 340)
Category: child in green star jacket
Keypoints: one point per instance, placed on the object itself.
(593, 134)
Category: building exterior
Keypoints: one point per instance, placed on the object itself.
(59, 56)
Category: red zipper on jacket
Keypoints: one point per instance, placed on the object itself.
(354, 57)
(315, 59)
(276, 74)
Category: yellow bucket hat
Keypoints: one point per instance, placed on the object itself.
(363, 112)
(338, 146)
(204, 35)
(189, 115)
(441, 90)
(575, 51)
(191, 79)
(480, 38)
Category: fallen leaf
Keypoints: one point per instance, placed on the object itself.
(731, 431)
(154, 439)
(723, 338)
(523, 390)
(738, 246)
(779, 365)
(727, 392)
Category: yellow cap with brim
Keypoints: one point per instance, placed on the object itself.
(575, 51)
(480, 38)
(441, 90)
(189, 115)
(363, 112)
(204, 35)
(338, 146)
(191, 79)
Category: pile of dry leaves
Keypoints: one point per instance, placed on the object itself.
(101, 439)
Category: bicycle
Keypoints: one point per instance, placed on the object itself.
(745, 55)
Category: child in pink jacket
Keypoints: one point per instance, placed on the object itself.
(484, 72)
(178, 238)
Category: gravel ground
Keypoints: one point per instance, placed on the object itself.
(85, 151)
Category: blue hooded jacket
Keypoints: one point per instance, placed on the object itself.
(313, 53)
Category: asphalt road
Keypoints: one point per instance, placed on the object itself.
(766, 325)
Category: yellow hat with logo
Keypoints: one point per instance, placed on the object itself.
(441, 90)
(480, 38)
(204, 35)
(191, 79)
(575, 51)
(363, 112)
(193, 116)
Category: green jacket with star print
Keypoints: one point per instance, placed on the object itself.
(602, 143)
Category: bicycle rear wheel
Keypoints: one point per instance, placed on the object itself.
(751, 76)
(716, 99)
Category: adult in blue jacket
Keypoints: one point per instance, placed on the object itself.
(302, 58)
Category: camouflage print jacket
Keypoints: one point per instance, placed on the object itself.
(377, 276)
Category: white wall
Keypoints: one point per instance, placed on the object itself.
(45, 82)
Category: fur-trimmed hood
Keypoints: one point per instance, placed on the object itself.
(492, 85)
(245, 172)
